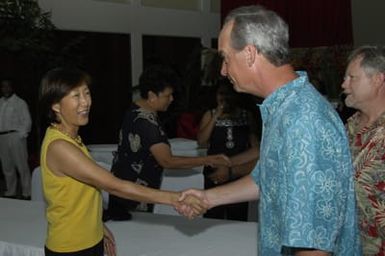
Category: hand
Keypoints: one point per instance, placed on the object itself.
(220, 175)
(192, 206)
(186, 209)
(218, 111)
(109, 242)
(218, 160)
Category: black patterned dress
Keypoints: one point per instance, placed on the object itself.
(134, 162)
(230, 136)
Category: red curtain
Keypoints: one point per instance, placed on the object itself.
(311, 23)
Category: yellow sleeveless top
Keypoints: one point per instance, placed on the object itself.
(74, 209)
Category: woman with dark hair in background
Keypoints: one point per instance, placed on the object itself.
(227, 129)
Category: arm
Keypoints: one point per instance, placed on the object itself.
(250, 155)
(207, 125)
(241, 165)
(65, 159)
(225, 173)
(243, 169)
(241, 190)
(164, 157)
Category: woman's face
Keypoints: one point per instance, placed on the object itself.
(164, 99)
(73, 109)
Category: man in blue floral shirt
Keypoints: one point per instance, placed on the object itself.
(304, 176)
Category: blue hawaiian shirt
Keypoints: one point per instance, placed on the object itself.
(305, 175)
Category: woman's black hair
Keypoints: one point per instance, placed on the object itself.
(157, 78)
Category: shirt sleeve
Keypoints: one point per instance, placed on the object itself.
(255, 173)
(150, 132)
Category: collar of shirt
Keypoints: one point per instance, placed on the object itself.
(353, 124)
(9, 99)
(273, 102)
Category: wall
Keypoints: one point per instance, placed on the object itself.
(368, 22)
(129, 16)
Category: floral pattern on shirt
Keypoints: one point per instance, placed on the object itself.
(368, 151)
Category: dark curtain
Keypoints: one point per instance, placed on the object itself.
(311, 23)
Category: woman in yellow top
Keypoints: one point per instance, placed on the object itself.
(72, 181)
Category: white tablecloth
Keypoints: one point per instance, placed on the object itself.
(23, 229)
(173, 179)
(103, 152)
(178, 180)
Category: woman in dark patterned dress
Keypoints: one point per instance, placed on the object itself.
(143, 149)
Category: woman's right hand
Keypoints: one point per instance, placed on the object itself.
(109, 242)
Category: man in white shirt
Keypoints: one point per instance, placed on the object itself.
(15, 124)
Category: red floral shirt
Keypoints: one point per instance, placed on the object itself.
(368, 151)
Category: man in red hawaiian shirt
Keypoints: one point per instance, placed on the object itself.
(364, 86)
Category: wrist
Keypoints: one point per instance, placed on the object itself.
(207, 161)
(174, 198)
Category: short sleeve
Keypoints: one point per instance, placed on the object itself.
(150, 132)
(255, 173)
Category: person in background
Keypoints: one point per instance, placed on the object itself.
(364, 87)
(143, 148)
(15, 124)
(304, 175)
(227, 129)
(72, 181)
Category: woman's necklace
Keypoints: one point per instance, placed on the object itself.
(77, 139)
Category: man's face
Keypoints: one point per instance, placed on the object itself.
(358, 86)
(234, 64)
(6, 89)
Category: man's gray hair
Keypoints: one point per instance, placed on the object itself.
(373, 58)
(268, 32)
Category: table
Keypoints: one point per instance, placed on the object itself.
(103, 152)
(173, 179)
(23, 229)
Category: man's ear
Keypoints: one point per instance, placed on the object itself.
(379, 79)
(251, 53)
(382, 78)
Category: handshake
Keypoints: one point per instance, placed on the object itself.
(191, 203)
